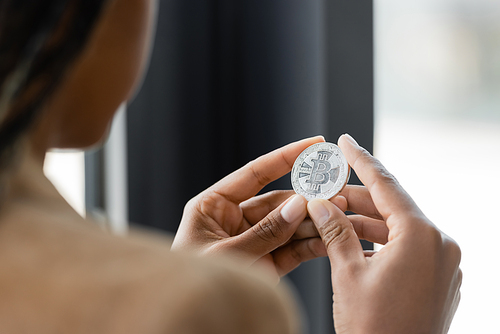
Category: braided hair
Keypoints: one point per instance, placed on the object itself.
(39, 39)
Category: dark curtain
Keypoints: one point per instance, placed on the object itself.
(232, 80)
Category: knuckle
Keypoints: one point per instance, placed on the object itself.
(435, 235)
(312, 248)
(271, 228)
(365, 155)
(211, 206)
(383, 174)
(307, 250)
(278, 193)
(270, 196)
(334, 233)
(273, 193)
(207, 203)
(191, 204)
(295, 253)
(261, 178)
(448, 247)
(316, 247)
(387, 178)
(431, 235)
(453, 250)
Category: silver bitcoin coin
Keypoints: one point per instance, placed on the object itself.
(320, 171)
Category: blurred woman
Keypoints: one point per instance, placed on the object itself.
(66, 66)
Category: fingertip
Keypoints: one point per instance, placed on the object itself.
(318, 211)
(336, 232)
(317, 138)
(314, 139)
(350, 139)
(347, 139)
(320, 137)
(341, 202)
(294, 210)
(347, 143)
(352, 150)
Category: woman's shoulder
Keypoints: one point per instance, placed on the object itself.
(74, 275)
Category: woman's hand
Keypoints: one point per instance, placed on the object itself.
(412, 284)
(268, 229)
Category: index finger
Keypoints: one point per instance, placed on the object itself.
(360, 201)
(387, 195)
(247, 181)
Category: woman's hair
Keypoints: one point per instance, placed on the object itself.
(39, 39)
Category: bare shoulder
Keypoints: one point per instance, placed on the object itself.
(201, 295)
(221, 299)
(73, 275)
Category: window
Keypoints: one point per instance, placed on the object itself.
(437, 129)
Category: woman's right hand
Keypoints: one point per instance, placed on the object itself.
(412, 284)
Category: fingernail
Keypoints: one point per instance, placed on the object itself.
(294, 209)
(320, 136)
(340, 202)
(318, 211)
(350, 139)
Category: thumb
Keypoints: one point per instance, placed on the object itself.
(274, 230)
(338, 235)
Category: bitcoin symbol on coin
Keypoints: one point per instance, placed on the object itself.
(320, 171)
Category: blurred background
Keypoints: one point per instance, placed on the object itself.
(290, 69)
(437, 128)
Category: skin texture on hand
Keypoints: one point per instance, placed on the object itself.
(227, 219)
(412, 284)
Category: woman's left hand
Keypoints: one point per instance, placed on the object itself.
(226, 219)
